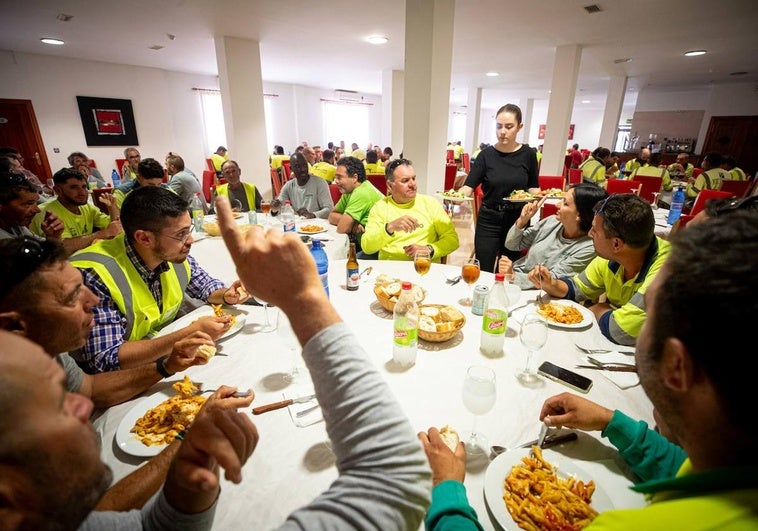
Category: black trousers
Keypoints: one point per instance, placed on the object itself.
(489, 236)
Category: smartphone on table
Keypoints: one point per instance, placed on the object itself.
(566, 377)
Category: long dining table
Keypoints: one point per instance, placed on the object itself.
(293, 462)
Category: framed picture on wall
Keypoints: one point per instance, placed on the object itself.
(107, 121)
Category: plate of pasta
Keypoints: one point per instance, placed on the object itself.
(564, 313)
(238, 319)
(515, 487)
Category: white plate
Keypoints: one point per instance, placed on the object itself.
(201, 312)
(310, 233)
(588, 316)
(128, 441)
(453, 198)
(501, 467)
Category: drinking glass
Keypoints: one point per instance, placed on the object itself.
(269, 325)
(512, 291)
(533, 336)
(422, 262)
(470, 273)
(292, 345)
(236, 205)
(479, 397)
(266, 209)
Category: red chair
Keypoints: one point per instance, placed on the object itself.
(738, 188)
(450, 171)
(209, 162)
(335, 191)
(548, 209)
(620, 186)
(574, 176)
(91, 163)
(566, 164)
(286, 171)
(552, 181)
(379, 181)
(209, 179)
(276, 182)
(706, 195)
(450, 156)
(120, 166)
(466, 159)
(697, 171)
(650, 185)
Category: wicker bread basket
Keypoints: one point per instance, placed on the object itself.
(439, 337)
(386, 302)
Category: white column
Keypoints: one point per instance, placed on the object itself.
(473, 116)
(614, 101)
(428, 63)
(563, 90)
(528, 113)
(239, 68)
(393, 99)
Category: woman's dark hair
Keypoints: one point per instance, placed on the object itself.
(586, 196)
(510, 107)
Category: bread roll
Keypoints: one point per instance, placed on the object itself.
(452, 314)
(241, 292)
(427, 324)
(393, 289)
(447, 326)
(431, 311)
(418, 293)
(206, 351)
(450, 437)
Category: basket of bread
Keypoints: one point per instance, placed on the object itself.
(438, 322)
(387, 290)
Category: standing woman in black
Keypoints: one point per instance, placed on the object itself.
(501, 168)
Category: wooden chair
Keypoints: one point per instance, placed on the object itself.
(620, 186)
(706, 195)
(379, 181)
(574, 176)
(738, 188)
(335, 192)
(450, 172)
(650, 186)
(552, 181)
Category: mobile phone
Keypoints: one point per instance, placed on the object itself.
(566, 377)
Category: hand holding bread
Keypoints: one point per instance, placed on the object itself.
(446, 455)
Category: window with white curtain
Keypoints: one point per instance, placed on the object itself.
(213, 119)
(458, 126)
(345, 121)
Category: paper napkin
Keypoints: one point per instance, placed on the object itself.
(623, 380)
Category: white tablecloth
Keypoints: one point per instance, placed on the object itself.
(292, 465)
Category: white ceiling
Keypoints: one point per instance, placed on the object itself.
(322, 44)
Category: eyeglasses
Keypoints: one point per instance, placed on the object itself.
(184, 237)
(12, 179)
(607, 223)
(601, 206)
(29, 256)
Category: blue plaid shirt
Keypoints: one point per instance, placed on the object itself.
(100, 352)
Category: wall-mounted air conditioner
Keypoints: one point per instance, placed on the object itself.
(351, 96)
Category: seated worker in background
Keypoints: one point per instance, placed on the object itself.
(129, 169)
(576, 156)
(246, 193)
(149, 173)
(593, 169)
(612, 166)
(80, 162)
(350, 214)
(48, 441)
(729, 164)
(218, 157)
(558, 242)
(681, 168)
(308, 195)
(710, 179)
(642, 159)
(654, 169)
(629, 256)
(141, 278)
(83, 222)
(325, 168)
(181, 182)
(405, 222)
(372, 163)
(704, 481)
(278, 157)
(18, 206)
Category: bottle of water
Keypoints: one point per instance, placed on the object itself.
(495, 319)
(115, 178)
(677, 203)
(405, 328)
(288, 217)
(198, 212)
(322, 262)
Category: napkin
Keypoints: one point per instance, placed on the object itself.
(623, 380)
(307, 419)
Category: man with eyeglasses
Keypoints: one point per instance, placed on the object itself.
(629, 256)
(129, 169)
(18, 206)
(246, 193)
(141, 278)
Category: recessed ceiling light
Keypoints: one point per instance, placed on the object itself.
(492, 74)
(377, 39)
(56, 42)
(693, 53)
(585, 101)
(624, 60)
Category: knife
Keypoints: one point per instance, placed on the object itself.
(541, 437)
(284, 403)
(552, 440)
(614, 368)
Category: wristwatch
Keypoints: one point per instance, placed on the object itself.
(431, 251)
(161, 368)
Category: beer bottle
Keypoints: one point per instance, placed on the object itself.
(352, 270)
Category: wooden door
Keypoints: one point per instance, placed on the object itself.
(736, 136)
(19, 129)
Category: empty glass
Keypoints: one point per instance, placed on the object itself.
(533, 336)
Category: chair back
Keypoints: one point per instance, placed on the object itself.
(466, 159)
(379, 181)
(209, 179)
(120, 166)
(450, 156)
(574, 176)
(96, 193)
(335, 192)
(478, 199)
(566, 164)
(209, 162)
(552, 181)
(450, 171)
(620, 186)
(697, 171)
(650, 186)
(706, 195)
(548, 209)
(91, 163)
(276, 182)
(738, 188)
(287, 171)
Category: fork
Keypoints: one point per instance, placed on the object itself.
(453, 281)
(539, 296)
(600, 350)
(238, 394)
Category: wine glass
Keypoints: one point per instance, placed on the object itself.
(236, 205)
(470, 274)
(269, 324)
(479, 397)
(266, 209)
(292, 345)
(422, 262)
(533, 336)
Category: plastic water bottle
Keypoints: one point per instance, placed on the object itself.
(405, 328)
(198, 212)
(288, 218)
(677, 203)
(322, 262)
(495, 320)
(115, 178)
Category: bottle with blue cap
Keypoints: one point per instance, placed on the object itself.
(322, 262)
(677, 203)
(115, 178)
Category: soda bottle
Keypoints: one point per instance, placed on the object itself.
(115, 178)
(677, 203)
(405, 327)
(352, 270)
(288, 217)
(198, 212)
(495, 319)
(322, 262)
